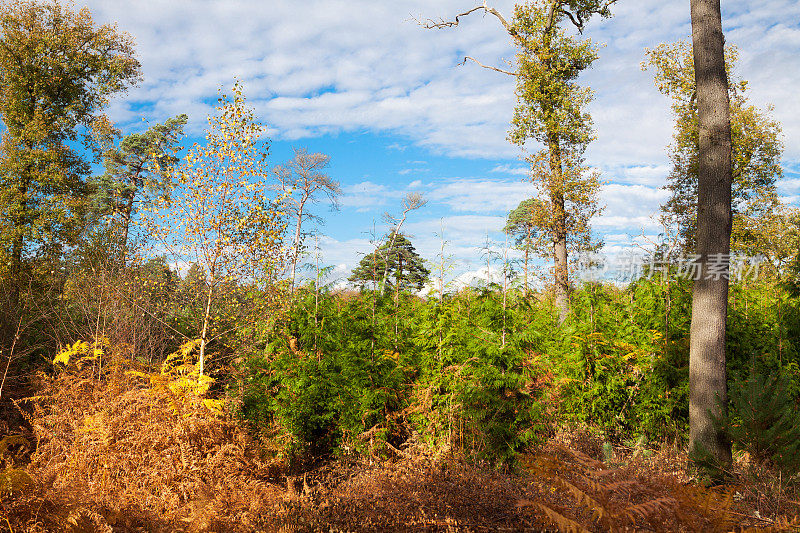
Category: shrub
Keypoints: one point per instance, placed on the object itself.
(764, 420)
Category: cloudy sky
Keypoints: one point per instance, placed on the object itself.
(361, 81)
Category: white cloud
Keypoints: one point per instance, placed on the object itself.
(792, 184)
(643, 223)
(329, 66)
(513, 170)
(649, 175)
(631, 200)
(325, 66)
(368, 195)
(481, 195)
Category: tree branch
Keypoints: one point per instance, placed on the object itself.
(487, 66)
(576, 20)
(431, 24)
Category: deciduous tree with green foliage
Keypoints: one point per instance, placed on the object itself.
(57, 72)
(551, 110)
(755, 142)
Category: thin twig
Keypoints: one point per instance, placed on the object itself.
(488, 66)
(10, 355)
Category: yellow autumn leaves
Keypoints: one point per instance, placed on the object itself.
(224, 216)
(179, 377)
(81, 352)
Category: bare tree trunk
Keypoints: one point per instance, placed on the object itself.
(16, 272)
(296, 244)
(707, 372)
(204, 333)
(527, 253)
(505, 289)
(17, 247)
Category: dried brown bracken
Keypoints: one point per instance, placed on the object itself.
(122, 450)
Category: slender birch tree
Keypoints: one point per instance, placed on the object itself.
(221, 217)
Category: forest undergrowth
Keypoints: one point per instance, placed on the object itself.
(125, 452)
(365, 412)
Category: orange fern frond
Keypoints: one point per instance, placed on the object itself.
(564, 524)
(649, 509)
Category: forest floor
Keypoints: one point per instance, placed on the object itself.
(124, 454)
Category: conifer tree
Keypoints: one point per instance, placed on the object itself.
(303, 180)
(404, 268)
(136, 173)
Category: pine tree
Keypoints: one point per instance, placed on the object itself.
(136, 173)
(405, 269)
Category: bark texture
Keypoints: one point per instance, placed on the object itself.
(707, 372)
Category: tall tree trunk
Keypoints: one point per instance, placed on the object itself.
(204, 333)
(561, 272)
(18, 245)
(527, 253)
(16, 272)
(126, 224)
(296, 245)
(707, 372)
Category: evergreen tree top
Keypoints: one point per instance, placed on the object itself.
(396, 256)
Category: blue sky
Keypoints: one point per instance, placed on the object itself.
(361, 81)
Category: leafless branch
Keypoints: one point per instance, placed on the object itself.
(430, 24)
(576, 20)
(487, 66)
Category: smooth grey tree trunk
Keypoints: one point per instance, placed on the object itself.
(707, 373)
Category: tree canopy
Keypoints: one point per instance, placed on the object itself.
(551, 109)
(756, 146)
(396, 257)
(57, 73)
